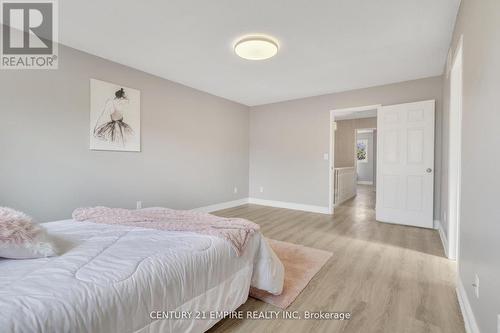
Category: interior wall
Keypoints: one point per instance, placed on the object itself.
(288, 140)
(479, 23)
(195, 146)
(345, 137)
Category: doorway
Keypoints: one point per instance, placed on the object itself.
(404, 191)
(346, 181)
(365, 156)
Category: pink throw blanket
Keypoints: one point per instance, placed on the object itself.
(235, 230)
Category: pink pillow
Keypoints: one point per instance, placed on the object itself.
(20, 238)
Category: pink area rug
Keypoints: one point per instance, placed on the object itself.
(301, 264)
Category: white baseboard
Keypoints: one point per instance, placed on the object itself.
(442, 235)
(463, 300)
(289, 205)
(222, 205)
(364, 182)
(263, 202)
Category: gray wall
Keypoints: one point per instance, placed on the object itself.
(344, 139)
(194, 145)
(365, 170)
(288, 140)
(479, 22)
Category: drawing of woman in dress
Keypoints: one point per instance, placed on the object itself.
(110, 125)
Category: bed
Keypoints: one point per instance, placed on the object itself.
(113, 278)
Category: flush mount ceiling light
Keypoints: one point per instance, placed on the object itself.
(256, 47)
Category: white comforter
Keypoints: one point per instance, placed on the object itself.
(111, 278)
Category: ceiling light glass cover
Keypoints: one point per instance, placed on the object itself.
(256, 48)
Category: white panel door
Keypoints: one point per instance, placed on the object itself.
(405, 171)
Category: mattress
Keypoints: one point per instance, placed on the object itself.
(125, 279)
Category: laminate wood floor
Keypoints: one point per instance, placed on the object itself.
(392, 278)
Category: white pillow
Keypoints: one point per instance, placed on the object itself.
(21, 238)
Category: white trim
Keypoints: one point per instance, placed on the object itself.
(333, 128)
(454, 155)
(220, 206)
(463, 300)
(442, 235)
(262, 202)
(290, 205)
(364, 182)
(359, 108)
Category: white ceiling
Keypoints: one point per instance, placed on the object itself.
(326, 46)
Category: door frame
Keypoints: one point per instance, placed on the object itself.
(333, 128)
(454, 156)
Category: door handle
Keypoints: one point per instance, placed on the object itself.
(429, 170)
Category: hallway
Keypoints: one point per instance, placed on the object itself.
(365, 198)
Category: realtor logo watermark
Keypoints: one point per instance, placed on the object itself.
(29, 34)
